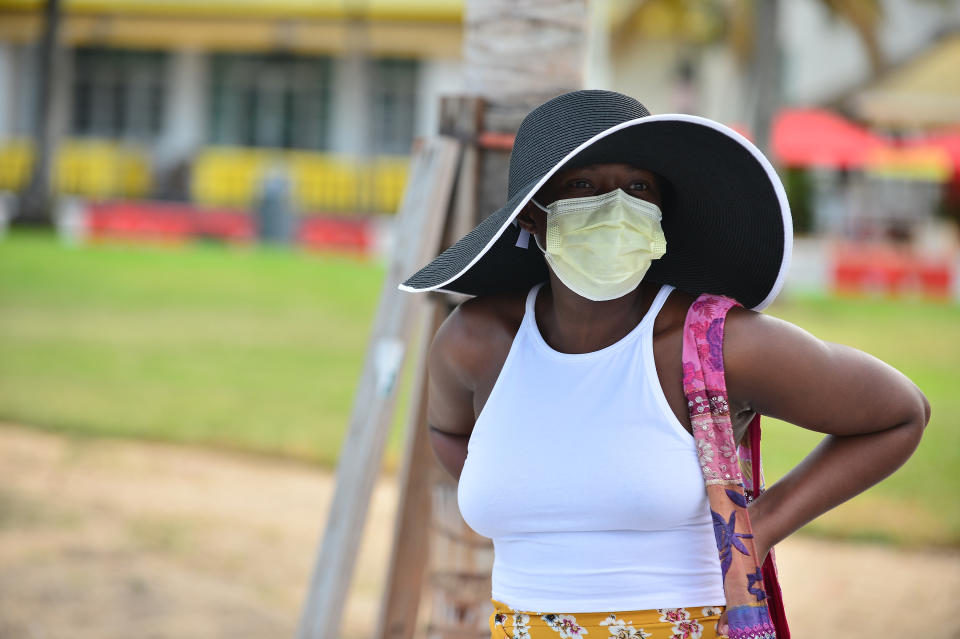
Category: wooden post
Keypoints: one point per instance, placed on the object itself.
(405, 576)
(460, 565)
(460, 561)
(460, 118)
(425, 205)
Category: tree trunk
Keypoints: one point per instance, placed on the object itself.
(35, 201)
(517, 54)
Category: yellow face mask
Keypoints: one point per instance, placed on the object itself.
(601, 246)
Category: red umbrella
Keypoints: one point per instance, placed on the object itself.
(814, 137)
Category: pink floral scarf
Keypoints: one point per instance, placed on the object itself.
(733, 477)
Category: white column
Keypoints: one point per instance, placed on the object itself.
(350, 108)
(6, 91)
(23, 97)
(185, 110)
(436, 78)
(62, 113)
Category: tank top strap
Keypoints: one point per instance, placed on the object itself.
(657, 304)
(531, 299)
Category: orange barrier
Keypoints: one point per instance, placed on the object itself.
(886, 270)
(170, 222)
(174, 223)
(325, 233)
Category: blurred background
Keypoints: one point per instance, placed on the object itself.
(196, 202)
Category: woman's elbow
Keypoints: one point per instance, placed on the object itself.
(925, 417)
(917, 420)
(450, 450)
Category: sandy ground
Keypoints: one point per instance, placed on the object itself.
(105, 539)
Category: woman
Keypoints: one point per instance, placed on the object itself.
(561, 408)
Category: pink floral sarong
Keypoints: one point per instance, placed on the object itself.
(733, 477)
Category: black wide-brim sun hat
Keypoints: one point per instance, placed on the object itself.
(725, 214)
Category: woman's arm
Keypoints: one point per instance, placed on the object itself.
(872, 414)
(450, 393)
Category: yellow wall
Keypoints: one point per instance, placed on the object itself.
(221, 176)
(225, 176)
(95, 169)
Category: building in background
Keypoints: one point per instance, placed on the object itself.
(186, 100)
(199, 101)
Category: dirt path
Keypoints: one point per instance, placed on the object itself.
(103, 539)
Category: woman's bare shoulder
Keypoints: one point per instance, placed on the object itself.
(783, 371)
(473, 335)
(469, 347)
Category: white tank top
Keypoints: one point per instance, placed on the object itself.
(587, 483)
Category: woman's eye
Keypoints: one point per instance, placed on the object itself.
(639, 186)
(581, 184)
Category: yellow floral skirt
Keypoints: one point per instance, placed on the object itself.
(664, 623)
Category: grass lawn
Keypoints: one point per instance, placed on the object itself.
(255, 350)
(261, 351)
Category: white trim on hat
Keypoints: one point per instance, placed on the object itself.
(664, 117)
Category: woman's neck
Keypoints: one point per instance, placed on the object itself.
(573, 324)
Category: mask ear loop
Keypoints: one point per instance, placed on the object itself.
(523, 238)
